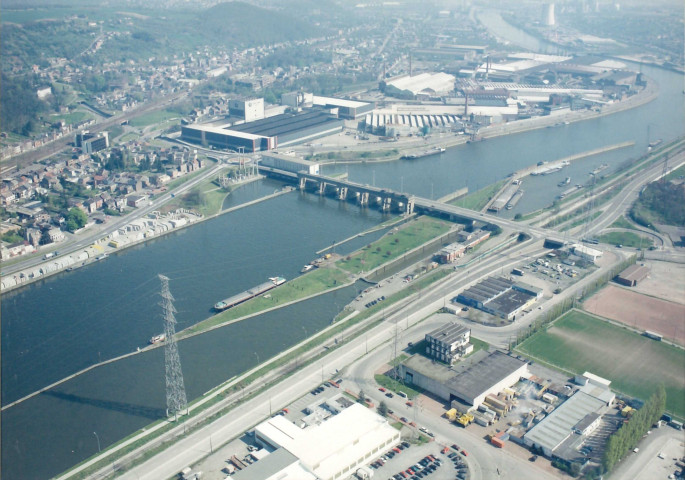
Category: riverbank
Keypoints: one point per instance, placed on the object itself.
(646, 95)
(102, 248)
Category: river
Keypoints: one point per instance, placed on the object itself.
(60, 325)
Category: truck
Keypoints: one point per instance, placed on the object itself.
(517, 271)
(452, 414)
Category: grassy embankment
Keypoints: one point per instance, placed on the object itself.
(159, 117)
(480, 198)
(338, 274)
(578, 342)
(206, 197)
(627, 239)
(389, 247)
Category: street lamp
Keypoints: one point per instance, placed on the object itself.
(98, 439)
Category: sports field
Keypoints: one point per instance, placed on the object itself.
(636, 365)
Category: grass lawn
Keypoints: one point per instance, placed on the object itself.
(636, 365)
(154, 118)
(478, 345)
(388, 247)
(677, 173)
(627, 239)
(71, 118)
(621, 222)
(396, 386)
(310, 283)
(478, 199)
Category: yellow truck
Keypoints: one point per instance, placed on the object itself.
(452, 414)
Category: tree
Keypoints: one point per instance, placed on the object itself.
(362, 397)
(382, 409)
(76, 218)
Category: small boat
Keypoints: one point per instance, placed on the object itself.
(157, 339)
(655, 143)
(307, 268)
(564, 182)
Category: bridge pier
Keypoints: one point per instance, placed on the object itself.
(342, 193)
(364, 198)
(322, 188)
(387, 204)
(303, 183)
(410, 206)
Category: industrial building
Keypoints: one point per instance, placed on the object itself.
(467, 382)
(267, 133)
(334, 449)
(448, 343)
(278, 465)
(349, 109)
(632, 275)
(451, 252)
(249, 110)
(561, 433)
(587, 253)
(429, 84)
(500, 296)
(288, 163)
(91, 142)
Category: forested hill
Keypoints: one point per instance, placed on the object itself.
(247, 25)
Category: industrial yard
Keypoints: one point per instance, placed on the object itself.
(579, 342)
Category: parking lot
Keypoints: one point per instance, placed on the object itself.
(427, 460)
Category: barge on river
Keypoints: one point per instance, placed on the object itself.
(248, 294)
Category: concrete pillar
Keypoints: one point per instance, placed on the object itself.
(387, 203)
(342, 193)
(322, 188)
(303, 183)
(410, 206)
(364, 198)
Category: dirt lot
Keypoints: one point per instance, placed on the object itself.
(666, 280)
(640, 311)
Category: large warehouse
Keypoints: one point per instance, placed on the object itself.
(500, 296)
(266, 134)
(422, 84)
(334, 449)
(469, 381)
(350, 109)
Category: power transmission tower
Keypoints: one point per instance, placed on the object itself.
(175, 389)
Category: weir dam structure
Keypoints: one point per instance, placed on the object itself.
(386, 199)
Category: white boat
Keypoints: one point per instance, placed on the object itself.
(157, 339)
(307, 268)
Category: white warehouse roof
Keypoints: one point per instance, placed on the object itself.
(558, 425)
(435, 82)
(335, 447)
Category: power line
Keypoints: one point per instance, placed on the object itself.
(175, 389)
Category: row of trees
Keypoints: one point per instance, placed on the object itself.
(625, 439)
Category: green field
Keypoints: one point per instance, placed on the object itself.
(389, 247)
(636, 365)
(478, 199)
(627, 239)
(154, 118)
(313, 282)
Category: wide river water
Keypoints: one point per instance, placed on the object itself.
(56, 327)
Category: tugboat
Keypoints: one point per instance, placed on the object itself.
(564, 182)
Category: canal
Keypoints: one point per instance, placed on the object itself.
(58, 326)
